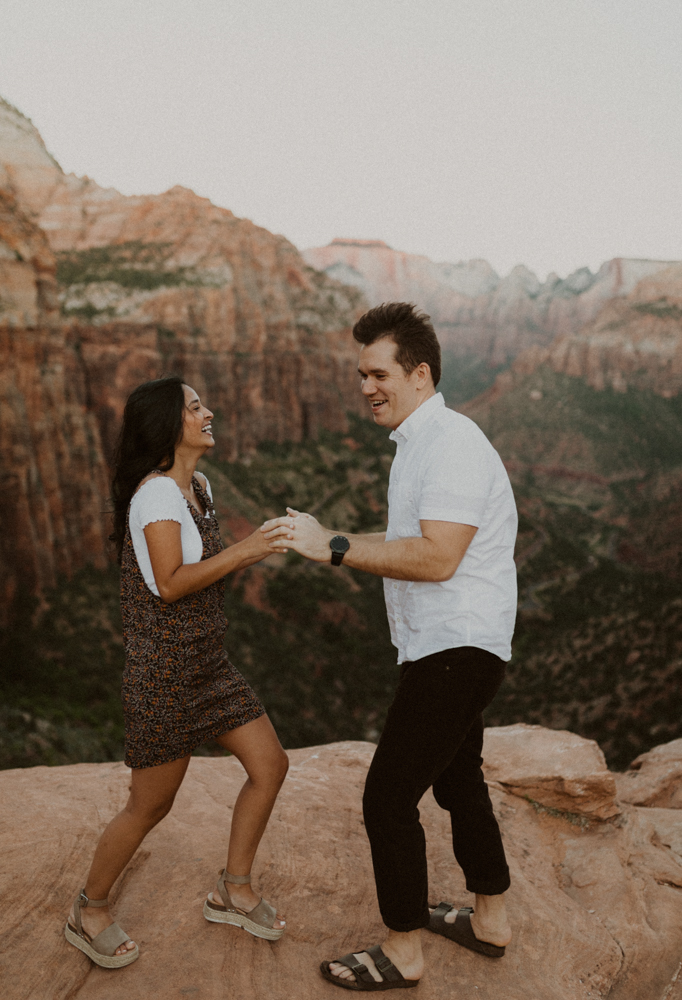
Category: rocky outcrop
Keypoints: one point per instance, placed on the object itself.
(557, 769)
(474, 310)
(594, 905)
(27, 170)
(654, 778)
(52, 471)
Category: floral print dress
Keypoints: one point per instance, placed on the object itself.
(179, 687)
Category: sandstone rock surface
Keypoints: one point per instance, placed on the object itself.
(557, 769)
(596, 910)
(655, 778)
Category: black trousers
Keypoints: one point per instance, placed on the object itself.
(433, 737)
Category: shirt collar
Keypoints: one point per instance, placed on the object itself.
(417, 418)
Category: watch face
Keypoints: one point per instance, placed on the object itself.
(339, 544)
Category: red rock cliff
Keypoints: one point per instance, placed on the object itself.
(146, 285)
(52, 473)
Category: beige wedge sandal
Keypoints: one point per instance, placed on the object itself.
(259, 921)
(102, 948)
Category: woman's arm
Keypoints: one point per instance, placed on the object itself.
(174, 579)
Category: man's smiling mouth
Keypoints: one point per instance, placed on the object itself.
(377, 403)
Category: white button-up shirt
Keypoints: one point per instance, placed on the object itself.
(445, 469)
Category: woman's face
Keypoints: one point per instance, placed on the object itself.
(196, 430)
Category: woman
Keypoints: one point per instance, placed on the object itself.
(179, 688)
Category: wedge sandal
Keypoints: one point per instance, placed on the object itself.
(364, 982)
(260, 921)
(461, 930)
(102, 948)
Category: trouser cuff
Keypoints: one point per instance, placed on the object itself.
(413, 925)
(489, 887)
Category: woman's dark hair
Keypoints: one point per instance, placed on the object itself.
(412, 331)
(152, 427)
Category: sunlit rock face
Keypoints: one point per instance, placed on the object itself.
(475, 311)
(594, 903)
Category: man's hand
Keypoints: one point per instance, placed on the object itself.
(301, 533)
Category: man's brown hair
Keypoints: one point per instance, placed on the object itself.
(412, 331)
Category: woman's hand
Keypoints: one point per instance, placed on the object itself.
(257, 547)
(299, 532)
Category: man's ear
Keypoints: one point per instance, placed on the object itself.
(423, 375)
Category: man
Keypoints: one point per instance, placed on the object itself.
(450, 587)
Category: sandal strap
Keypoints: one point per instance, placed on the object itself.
(264, 914)
(222, 889)
(82, 900)
(108, 940)
(235, 879)
(442, 910)
(384, 965)
(359, 970)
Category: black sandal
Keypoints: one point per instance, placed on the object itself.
(461, 930)
(364, 980)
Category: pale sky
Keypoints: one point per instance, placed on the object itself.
(544, 132)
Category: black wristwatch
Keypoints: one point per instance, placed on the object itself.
(339, 546)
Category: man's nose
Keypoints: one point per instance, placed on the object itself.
(368, 387)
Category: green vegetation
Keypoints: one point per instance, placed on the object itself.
(465, 376)
(567, 422)
(133, 265)
(598, 646)
(663, 308)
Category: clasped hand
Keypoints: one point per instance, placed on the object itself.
(300, 532)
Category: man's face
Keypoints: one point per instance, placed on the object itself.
(392, 394)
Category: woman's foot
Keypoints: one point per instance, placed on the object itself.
(244, 898)
(96, 919)
(404, 950)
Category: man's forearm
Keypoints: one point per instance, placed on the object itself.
(401, 559)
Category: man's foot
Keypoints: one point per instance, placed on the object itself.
(404, 950)
(244, 898)
(491, 927)
(94, 920)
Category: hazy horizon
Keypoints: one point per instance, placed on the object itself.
(527, 132)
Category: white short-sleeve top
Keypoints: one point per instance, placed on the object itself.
(160, 499)
(445, 469)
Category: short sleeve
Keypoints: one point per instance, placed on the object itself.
(158, 500)
(458, 480)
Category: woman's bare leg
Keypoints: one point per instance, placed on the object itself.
(152, 792)
(258, 750)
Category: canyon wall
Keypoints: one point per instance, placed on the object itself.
(99, 292)
(474, 310)
(635, 341)
(52, 472)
